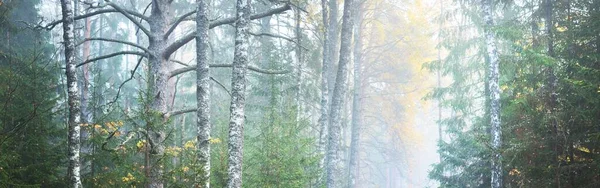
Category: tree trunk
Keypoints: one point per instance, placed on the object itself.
(323, 120)
(73, 95)
(353, 168)
(299, 67)
(333, 35)
(238, 94)
(157, 85)
(552, 84)
(334, 172)
(203, 93)
(494, 88)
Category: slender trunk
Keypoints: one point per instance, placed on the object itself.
(333, 37)
(494, 88)
(73, 94)
(552, 83)
(86, 113)
(334, 173)
(203, 93)
(353, 169)
(439, 80)
(299, 67)
(238, 94)
(323, 120)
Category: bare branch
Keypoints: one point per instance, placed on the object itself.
(179, 112)
(112, 55)
(53, 24)
(124, 82)
(277, 36)
(116, 41)
(191, 36)
(129, 137)
(222, 86)
(179, 62)
(252, 68)
(131, 18)
(272, 35)
(177, 22)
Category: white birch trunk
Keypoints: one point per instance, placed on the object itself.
(73, 170)
(238, 94)
(494, 88)
(334, 173)
(203, 93)
(353, 168)
(323, 120)
(299, 68)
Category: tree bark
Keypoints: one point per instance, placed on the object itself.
(494, 88)
(353, 168)
(238, 94)
(333, 34)
(334, 172)
(299, 62)
(159, 69)
(323, 120)
(203, 93)
(72, 95)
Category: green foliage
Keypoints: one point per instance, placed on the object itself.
(550, 140)
(31, 143)
(280, 154)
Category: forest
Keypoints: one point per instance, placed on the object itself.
(300, 93)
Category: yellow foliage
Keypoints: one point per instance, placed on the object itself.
(140, 144)
(214, 140)
(189, 145)
(128, 178)
(173, 151)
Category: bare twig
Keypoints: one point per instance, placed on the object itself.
(222, 86)
(142, 54)
(116, 41)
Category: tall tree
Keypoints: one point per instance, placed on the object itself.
(334, 173)
(203, 93)
(325, 69)
(74, 175)
(353, 168)
(334, 38)
(238, 94)
(494, 89)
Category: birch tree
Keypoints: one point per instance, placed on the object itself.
(353, 168)
(161, 24)
(238, 94)
(72, 94)
(494, 89)
(323, 120)
(203, 93)
(333, 159)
